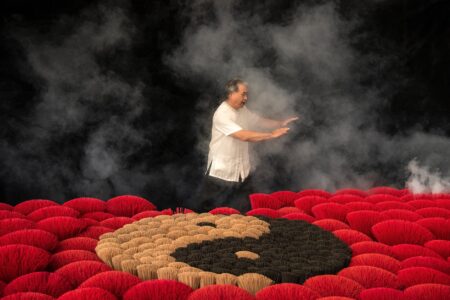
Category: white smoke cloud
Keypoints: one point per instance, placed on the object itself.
(78, 93)
(422, 180)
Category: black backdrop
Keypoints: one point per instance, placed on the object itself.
(415, 30)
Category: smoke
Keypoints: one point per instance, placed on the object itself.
(101, 124)
(422, 180)
(82, 132)
(305, 65)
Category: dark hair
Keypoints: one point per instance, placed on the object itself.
(232, 86)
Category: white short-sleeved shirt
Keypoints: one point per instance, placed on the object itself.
(228, 157)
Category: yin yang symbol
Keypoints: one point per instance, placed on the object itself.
(202, 249)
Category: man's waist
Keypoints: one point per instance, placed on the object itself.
(227, 180)
(228, 158)
(228, 171)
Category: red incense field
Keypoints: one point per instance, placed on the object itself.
(371, 245)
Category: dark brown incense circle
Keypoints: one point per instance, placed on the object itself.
(291, 252)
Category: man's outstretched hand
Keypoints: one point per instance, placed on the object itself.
(279, 132)
(285, 122)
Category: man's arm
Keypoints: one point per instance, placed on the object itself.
(270, 124)
(255, 136)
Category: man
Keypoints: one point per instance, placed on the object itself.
(227, 181)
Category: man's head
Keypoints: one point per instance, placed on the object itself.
(237, 92)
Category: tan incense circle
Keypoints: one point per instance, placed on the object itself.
(144, 247)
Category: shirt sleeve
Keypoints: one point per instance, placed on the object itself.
(223, 123)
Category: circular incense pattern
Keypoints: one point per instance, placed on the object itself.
(202, 249)
(292, 252)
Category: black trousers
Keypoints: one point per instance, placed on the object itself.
(214, 192)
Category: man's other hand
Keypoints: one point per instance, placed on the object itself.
(285, 122)
(279, 132)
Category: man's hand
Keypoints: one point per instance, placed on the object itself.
(285, 122)
(279, 132)
(255, 136)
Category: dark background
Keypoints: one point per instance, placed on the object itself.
(416, 31)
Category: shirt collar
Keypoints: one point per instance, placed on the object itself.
(234, 109)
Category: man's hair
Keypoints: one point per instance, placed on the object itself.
(232, 86)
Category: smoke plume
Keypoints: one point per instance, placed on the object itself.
(423, 180)
(82, 104)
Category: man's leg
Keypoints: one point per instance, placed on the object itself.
(213, 193)
(239, 198)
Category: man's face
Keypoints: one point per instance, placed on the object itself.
(239, 98)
